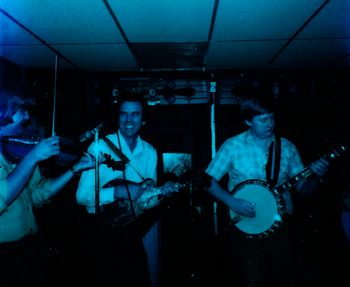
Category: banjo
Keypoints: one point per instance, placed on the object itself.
(269, 204)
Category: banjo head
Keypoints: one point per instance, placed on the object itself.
(267, 208)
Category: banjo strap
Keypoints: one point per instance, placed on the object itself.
(273, 162)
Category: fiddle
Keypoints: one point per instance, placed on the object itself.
(16, 148)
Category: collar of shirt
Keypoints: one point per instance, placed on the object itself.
(249, 139)
(125, 147)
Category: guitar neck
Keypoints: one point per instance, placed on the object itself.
(151, 193)
(156, 191)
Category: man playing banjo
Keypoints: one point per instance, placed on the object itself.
(258, 154)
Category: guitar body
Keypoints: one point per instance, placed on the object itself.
(119, 213)
(268, 207)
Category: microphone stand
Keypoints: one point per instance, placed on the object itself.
(97, 174)
(213, 142)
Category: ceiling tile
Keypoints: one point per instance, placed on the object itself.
(242, 54)
(29, 56)
(65, 21)
(260, 19)
(100, 57)
(313, 53)
(12, 34)
(170, 55)
(332, 22)
(164, 21)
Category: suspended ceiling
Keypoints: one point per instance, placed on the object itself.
(166, 35)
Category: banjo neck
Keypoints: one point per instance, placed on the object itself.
(290, 183)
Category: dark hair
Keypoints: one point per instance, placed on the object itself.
(114, 110)
(10, 103)
(257, 105)
(132, 97)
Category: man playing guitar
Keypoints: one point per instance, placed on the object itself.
(118, 254)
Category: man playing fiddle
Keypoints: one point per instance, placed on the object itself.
(22, 188)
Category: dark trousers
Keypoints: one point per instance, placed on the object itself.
(266, 262)
(21, 264)
(113, 256)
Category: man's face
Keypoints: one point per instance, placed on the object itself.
(262, 126)
(130, 119)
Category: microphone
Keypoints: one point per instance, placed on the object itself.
(89, 134)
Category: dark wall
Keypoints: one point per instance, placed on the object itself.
(314, 118)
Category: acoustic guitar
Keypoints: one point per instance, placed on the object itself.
(123, 211)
